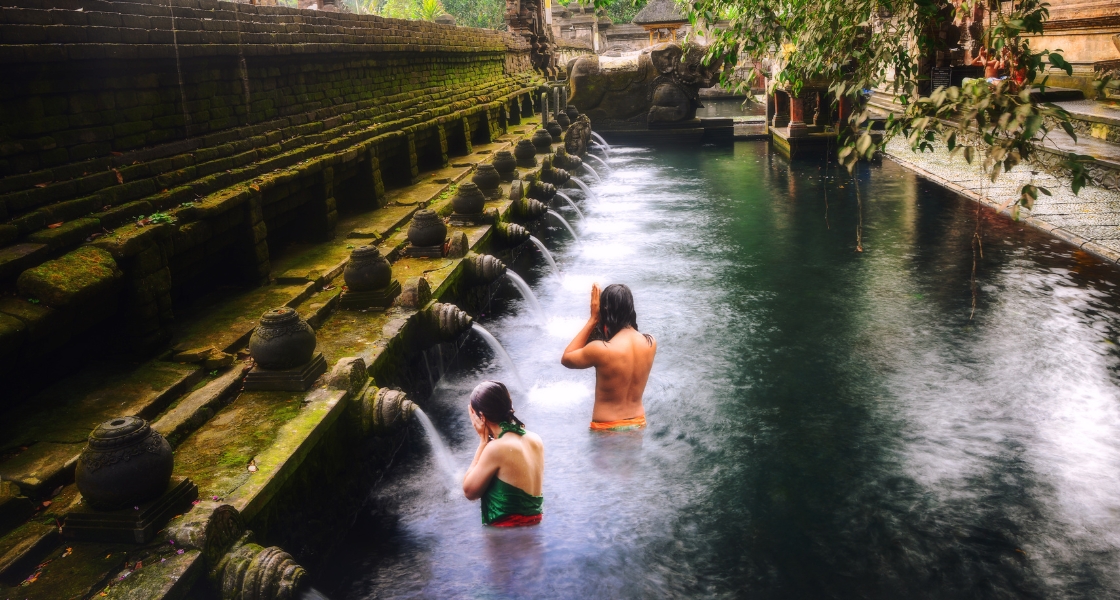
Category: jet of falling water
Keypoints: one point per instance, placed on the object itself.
(526, 292)
(547, 255)
(500, 351)
(565, 223)
(604, 143)
(439, 450)
(583, 186)
(593, 172)
(570, 203)
(601, 161)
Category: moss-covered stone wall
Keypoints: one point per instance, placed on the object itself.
(189, 140)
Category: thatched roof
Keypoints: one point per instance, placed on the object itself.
(659, 11)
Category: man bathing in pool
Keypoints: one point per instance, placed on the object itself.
(622, 359)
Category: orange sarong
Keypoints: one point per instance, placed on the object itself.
(623, 425)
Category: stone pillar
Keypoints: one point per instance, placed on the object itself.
(258, 237)
(781, 109)
(797, 126)
(413, 161)
(325, 212)
(770, 108)
(514, 112)
(465, 123)
(373, 187)
(527, 104)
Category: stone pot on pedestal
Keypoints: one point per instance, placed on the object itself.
(426, 230)
(487, 178)
(555, 131)
(506, 164)
(525, 152)
(283, 346)
(562, 119)
(125, 463)
(542, 141)
(572, 113)
(369, 280)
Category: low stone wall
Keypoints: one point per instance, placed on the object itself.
(188, 142)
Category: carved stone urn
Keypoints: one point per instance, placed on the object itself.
(506, 165)
(526, 153)
(572, 113)
(125, 463)
(561, 118)
(542, 140)
(367, 270)
(487, 179)
(555, 131)
(427, 229)
(283, 340)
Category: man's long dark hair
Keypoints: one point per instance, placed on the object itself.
(491, 398)
(616, 311)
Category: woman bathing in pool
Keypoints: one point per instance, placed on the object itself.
(509, 464)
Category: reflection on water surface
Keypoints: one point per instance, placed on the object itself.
(824, 423)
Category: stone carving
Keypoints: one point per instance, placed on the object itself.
(367, 270)
(569, 162)
(384, 411)
(578, 137)
(485, 268)
(555, 131)
(348, 374)
(458, 246)
(283, 340)
(252, 572)
(445, 322)
(539, 190)
(469, 199)
(511, 235)
(562, 119)
(426, 229)
(660, 88)
(487, 178)
(125, 463)
(526, 153)
(209, 527)
(554, 176)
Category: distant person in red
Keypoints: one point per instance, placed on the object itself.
(508, 466)
(622, 359)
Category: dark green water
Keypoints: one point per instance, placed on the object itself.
(824, 423)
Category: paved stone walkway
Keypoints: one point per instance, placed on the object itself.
(1090, 220)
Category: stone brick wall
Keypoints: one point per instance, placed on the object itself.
(233, 124)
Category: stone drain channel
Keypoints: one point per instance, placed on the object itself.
(259, 457)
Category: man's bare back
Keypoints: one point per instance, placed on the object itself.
(622, 363)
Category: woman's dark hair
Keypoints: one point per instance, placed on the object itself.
(491, 398)
(616, 311)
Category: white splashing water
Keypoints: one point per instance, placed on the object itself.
(547, 255)
(565, 223)
(593, 172)
(496, 346)
(571, 203)
(526, 292)
(439, 450)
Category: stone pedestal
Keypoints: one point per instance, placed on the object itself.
(131, 525)
(371, 299)
(481, 218)
(297, 379)
(423, 251)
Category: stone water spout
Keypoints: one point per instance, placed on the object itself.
(484, 268)
(385, 411)
(552, 175)
(569, 162)
(528, 209)
(510, 235)
(252, 572)
(444, 322)
(539, 190)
